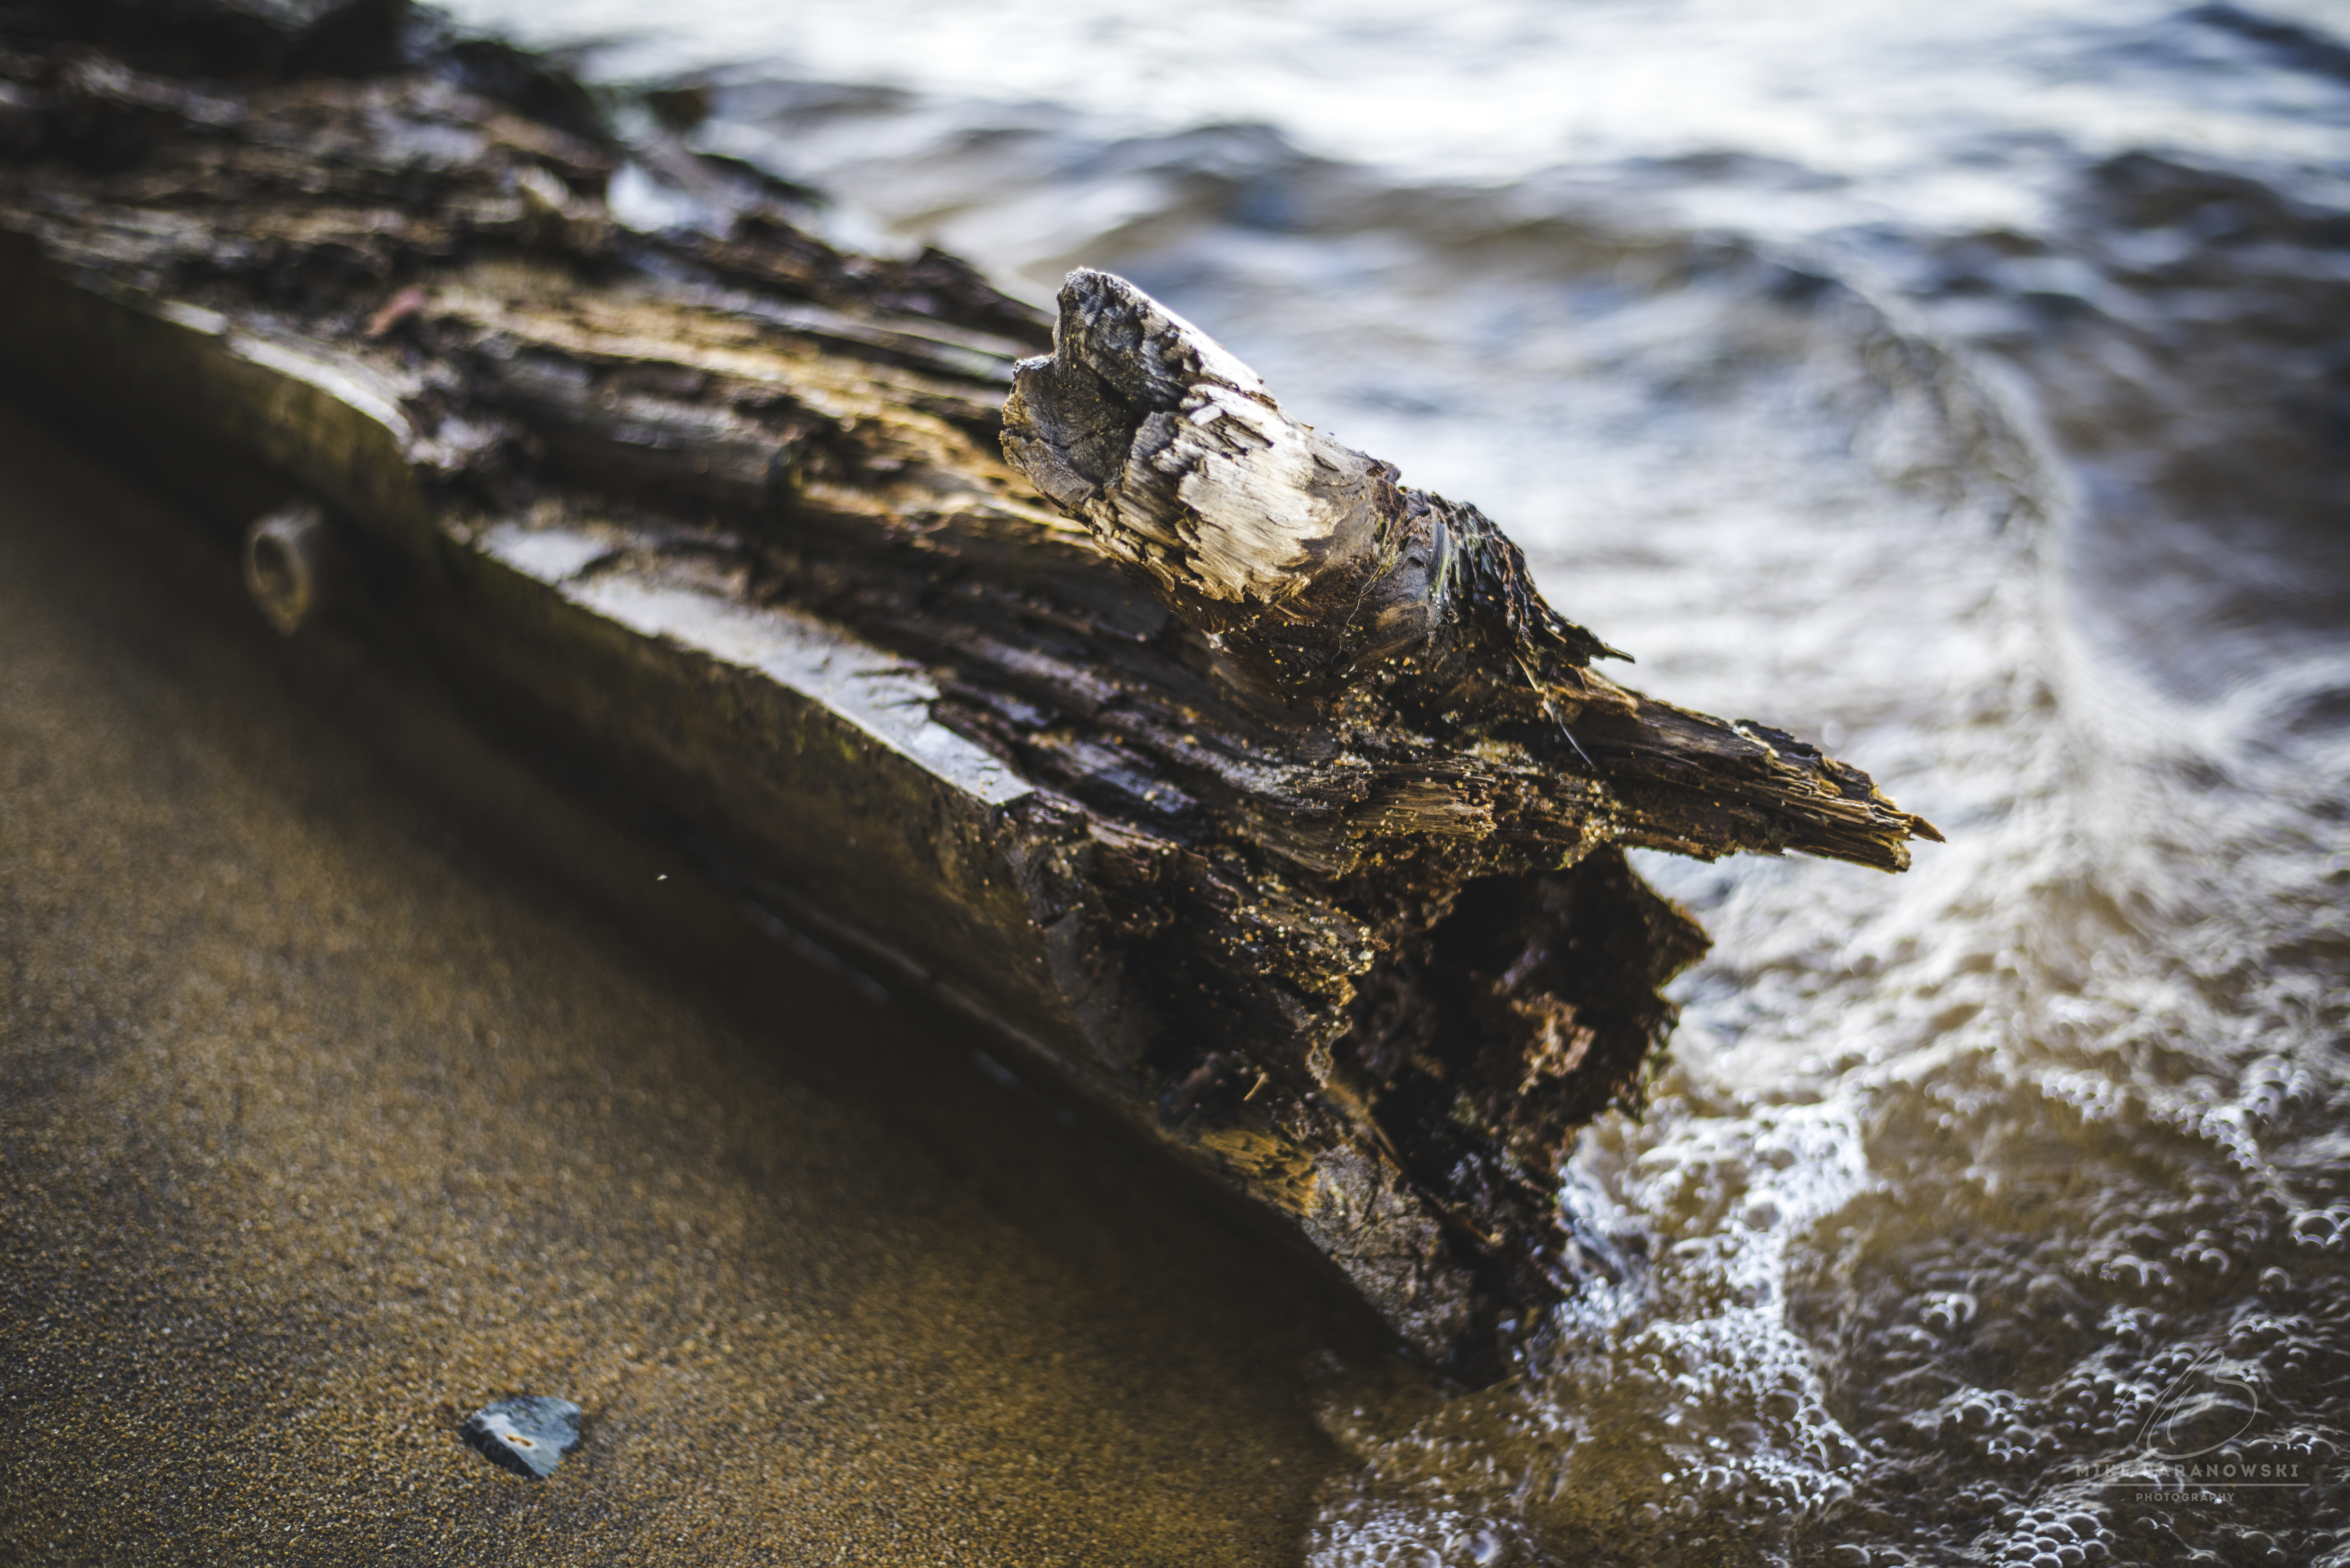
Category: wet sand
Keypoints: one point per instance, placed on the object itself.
(333, 1113)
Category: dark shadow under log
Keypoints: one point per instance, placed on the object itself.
(1254, 793)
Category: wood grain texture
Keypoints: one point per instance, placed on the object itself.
(1308, 869)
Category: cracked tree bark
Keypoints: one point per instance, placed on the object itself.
(1258, 795)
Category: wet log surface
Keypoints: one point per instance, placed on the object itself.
(1259, 794)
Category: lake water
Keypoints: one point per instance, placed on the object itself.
(1967, 387)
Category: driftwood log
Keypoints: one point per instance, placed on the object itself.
(1258, 795)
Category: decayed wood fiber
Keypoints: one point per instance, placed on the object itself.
(1324, 843)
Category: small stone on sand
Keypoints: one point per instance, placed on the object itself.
(528, 1434)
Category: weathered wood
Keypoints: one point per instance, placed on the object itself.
(1320, 579)
(1259, 796)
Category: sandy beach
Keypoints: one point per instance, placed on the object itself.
(334, 1113)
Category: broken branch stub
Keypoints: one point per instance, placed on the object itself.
(1304, 560)
(1314, 572)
